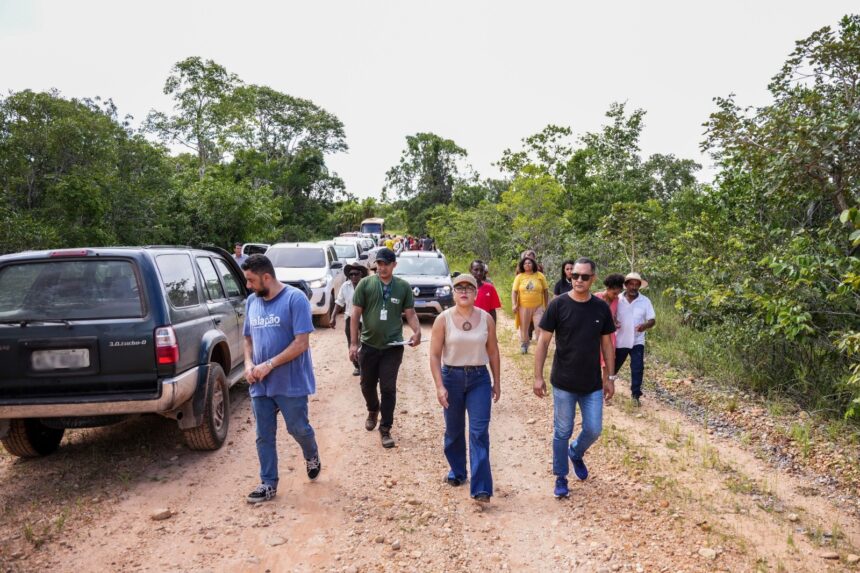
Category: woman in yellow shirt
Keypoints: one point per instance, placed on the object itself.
(530, 296)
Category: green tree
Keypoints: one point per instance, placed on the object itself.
(74, 174)
(804, 147)
(204, 110)
(278, 125)
(532, 209)
(222, 212)
(550, 150)
(428, 172)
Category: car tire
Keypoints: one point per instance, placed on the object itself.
(211, 434)
(30, 438)
(324, 320)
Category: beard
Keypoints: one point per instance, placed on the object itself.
(262, 293)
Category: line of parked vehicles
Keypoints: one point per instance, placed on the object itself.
(317, 268)
(92, 336)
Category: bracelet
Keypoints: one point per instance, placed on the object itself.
(269, 364)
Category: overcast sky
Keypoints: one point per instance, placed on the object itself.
(483, 73)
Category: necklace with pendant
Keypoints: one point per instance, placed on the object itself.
(467, 326)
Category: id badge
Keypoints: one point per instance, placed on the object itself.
(383, 314)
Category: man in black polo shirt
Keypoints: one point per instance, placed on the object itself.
(582, 324)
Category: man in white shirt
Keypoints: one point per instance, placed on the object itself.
(343, 301)
(635, 316)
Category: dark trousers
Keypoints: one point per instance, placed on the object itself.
(380, 366)
(349, 339)
(637, 366)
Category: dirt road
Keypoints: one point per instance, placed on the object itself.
(664, 494)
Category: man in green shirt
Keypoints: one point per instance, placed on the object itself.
(377, 305)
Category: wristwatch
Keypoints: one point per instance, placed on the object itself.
(269, 364)
(612, 377)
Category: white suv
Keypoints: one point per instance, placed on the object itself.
(315, 264)
(357, 243)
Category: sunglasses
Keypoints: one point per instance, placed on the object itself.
(354, 274)
(585, 277)
(459, 288)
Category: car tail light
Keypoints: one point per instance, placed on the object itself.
(166, 348)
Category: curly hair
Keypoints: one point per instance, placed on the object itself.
(521, 265)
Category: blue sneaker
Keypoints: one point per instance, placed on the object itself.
(561, 490)
(579, 469)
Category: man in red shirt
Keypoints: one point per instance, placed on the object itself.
(487, 298)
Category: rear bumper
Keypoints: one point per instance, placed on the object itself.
(174, 392)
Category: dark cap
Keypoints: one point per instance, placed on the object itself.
(386, 255)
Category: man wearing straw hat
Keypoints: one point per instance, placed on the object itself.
(343, 302)
(635, 316)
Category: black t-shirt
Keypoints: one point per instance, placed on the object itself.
(561, 287)
(578, 328)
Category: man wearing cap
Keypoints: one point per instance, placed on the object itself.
(635, 316)
(343, 303)
(378, 303)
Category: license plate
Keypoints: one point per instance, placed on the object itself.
(60, 359)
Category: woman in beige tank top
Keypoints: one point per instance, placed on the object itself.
(463, 343)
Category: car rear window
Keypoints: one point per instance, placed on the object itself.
(70, 290)
(297, 258)
(177, 275)
(345, 251)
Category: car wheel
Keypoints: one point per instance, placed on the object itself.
(30, 438)
(325, 319)
(210, 435)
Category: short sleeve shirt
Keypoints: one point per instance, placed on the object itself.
(344, 297)
(272, 326)
(578, 328)
(487, 298)
(631, 315)
(530, 288)
(379, 328)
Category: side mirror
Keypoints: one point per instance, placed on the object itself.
(362, 257)
(336, 265)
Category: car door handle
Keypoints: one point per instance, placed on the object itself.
(217, 321)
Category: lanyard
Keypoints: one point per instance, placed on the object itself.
(385, 289)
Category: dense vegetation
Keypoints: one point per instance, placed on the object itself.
(762, 261)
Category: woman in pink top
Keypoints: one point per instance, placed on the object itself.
(614, 285)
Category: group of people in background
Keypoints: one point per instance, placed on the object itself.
(407, 243)
(595, 334)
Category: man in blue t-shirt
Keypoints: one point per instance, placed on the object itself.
(278, 366)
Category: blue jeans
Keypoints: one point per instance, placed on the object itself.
(469, 390)
(637, 366)
(295, 412)
(564, 412)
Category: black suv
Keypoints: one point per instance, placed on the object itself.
(428, 274)
(89, 337)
